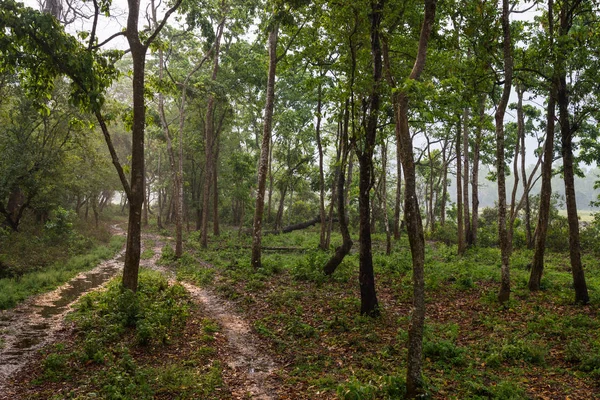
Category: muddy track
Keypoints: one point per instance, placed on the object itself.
(37, 322)
(251, 369)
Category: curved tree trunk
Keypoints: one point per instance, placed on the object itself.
(368, 298)
(344, 249)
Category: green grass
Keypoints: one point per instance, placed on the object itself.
(473, 347)
(15, 290)
(134, 346)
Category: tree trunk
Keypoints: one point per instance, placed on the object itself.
(579, 284)
(505, 245)
(344, 249)
(271, 179)
(209, 144)
(398, 202)
(537, 265)
(215, 191)
(279, 216)
(466, 214)
(414, 224)
(264, 151)
(137, 190)
(368, 298)
(322, 239)
(386, 222)
(459, 192)
(475, 175)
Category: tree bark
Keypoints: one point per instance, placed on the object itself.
(264, 151)
(505, 245)
(579, 284)
(364, 151)
(459, 192)
(323, 236)
(414, 224)
(344, 249)
(475, 175)
(537, 265)
(386, 222)
(466, 213)
(209, 143)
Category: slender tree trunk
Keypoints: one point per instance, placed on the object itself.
(520, 134)
(209, 144)
(344, 249)
(368, 298)
(466, 214)
(398, 203)
(579, 284)
(414, 225)
(446, 163)
(386, 222)
(271, 181)
(159, 224)
(537, 265)
(322, 239)
(215, 192)
(264, 151)
(459, 192)
(335, 183)
(146, 202)
(279, 216)
(475, 175)
(526, 182)
(505, 245)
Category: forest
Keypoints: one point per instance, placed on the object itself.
(294, 199)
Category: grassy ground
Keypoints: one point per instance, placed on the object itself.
(150, 345)
(541, 346)
(36, 260)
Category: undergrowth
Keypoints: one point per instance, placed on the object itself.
(18, 288)
(122, 345)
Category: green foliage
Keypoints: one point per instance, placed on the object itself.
(444, 351)
(189, 269)
(154, 310)
(386, 387)
(310, 268)
(518, 351)
(111, 323)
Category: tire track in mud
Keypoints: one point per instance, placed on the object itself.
(249, 364)
(37, 322)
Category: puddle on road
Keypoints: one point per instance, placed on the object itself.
(25, 329)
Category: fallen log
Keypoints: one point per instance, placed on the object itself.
(298, 226)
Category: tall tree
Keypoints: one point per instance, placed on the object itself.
(264, 149)
(414, 224)
(505, 240)
(210, 141)
(567, 130)
(365, 148)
